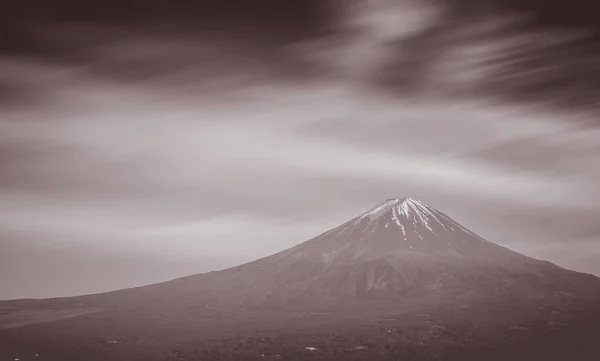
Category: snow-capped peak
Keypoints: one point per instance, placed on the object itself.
(412, 209)
(403, 205)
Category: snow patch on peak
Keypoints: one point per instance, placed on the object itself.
(411, 209)
(381, 209)
(414, 202)
(417, 211)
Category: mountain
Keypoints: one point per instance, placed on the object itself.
(400, 249)
(402, 266)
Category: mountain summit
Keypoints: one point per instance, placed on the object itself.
(409, 225)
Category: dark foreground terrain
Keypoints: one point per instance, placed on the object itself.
(561, 328)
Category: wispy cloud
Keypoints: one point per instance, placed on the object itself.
(161, 146)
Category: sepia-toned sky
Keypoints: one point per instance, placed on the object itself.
(136, 151)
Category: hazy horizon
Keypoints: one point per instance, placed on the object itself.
(165, 145)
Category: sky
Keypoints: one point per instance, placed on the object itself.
(139, 149)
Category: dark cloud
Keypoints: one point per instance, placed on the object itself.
(184, 45)
(70, 31)
(12, 94)
(15, 91)
(545, 52)
(534, 52)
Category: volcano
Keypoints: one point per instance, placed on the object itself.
(401, 276)
(400, 250)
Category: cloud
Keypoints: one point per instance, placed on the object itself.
(313, 157)
(237, 143)
(115, 142)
